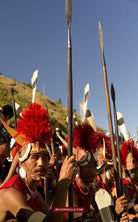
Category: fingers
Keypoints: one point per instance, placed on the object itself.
(71, 158)
(124, 217)
(69, 169)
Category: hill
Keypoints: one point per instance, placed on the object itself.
(23, 96)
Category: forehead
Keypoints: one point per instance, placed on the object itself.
(91, 164)
(43, 153)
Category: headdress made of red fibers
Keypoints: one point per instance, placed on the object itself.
(125, 149)
(34, 125)
(85, 137)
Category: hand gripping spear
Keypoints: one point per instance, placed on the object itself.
(68, 9)
(120, 188)
(108, 102)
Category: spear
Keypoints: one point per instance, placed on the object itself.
(108, 101)
(68, 9)
(119, 188)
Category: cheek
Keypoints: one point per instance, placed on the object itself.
(46, 163)
(29, 164)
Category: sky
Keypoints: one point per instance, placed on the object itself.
(33, 36)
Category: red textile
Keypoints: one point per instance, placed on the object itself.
(18, 183)
(102, 185)
(84, 197)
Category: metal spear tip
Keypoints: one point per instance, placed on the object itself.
(112, 92)
(101, 37)
(100, 30)
(68, 8)
(99, 25)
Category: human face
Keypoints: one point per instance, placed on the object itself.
(88, 172)
(37, 163)
(4, 152)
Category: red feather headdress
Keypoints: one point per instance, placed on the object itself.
(85, 137)
(35, 126)
(85, 140)
(128, 148)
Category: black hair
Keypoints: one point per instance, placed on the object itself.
(5, 138)
(7, 111)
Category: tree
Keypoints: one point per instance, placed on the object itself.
(59, 101)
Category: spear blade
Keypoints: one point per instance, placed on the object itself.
(113, 92)
(101, 37)
(101, 44)
(68, 9)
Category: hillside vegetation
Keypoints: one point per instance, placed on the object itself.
(23, 96)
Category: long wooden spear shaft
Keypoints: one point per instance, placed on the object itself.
(14, 110)
(68, 9)
(119, 187)
(107, 100)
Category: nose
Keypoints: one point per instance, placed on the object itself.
(92, 171)
(40, 161)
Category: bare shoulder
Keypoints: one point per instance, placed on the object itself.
(12, 200)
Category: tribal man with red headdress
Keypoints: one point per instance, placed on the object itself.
(19, 198)
(105, 169)
(85, 141)
(129, 160)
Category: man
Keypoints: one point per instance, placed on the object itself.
(19, 198)
(85, 140)
(105, 170)
(129, 160)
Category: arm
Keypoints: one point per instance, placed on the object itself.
(67, 173)
(17, 204)
(12, 169)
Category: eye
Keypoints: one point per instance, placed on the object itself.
(34, 156)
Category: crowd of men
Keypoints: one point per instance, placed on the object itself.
(35, 184)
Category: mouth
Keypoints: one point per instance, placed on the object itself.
(40, 172)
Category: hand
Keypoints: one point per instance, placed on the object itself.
(121, 204)
(53, 160)
(131, 217)
(124, 217)
(68, 170)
